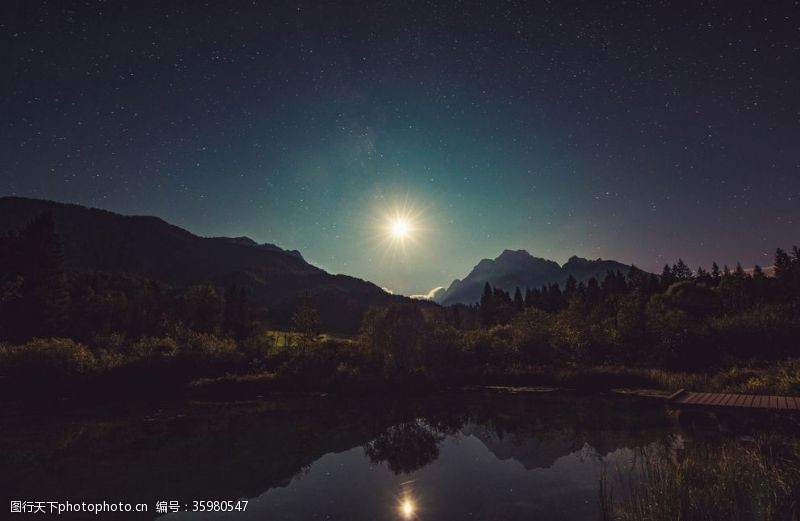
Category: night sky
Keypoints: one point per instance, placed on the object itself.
(638, 131)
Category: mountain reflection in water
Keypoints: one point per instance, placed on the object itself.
(450, 456)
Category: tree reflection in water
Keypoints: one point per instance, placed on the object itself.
(405, 447)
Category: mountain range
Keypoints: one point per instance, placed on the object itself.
(276, 279)
(519, 269)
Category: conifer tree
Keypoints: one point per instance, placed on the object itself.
(519, 303)
(681, 271)
(487, 313)
(44, 302)
(667, 276)
(715, 272)
(782, 263)
(571, 286)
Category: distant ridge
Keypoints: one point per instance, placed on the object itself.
(519, 269)
(277, 279)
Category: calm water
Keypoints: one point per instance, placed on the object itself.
(453, 456)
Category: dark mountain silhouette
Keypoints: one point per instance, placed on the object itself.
(519, 269)
(277, 280)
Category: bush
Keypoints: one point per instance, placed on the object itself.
(531, 336)
(315, 367)
(762, 332)
(256, 349)
(47, 359)
(492, 348)
(207, 348)
(154, 347)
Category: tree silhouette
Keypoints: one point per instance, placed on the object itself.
(667, 276)
(681, 271)
(519, 303)
(487, 315)
(236, 314)
(716, 274)
(44, 297)
(571, 286)
(306, 322)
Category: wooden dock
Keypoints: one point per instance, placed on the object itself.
(684, 398)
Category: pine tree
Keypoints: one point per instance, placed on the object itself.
(783, 264)
(519, 303)
(636, 277)
(555, 297)
(667, 276)
(681, 271)
(571, 286)
(592, 291)
(487, 311)
(715, 273)
(44, 303)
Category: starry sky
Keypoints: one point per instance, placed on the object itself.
(639, 131)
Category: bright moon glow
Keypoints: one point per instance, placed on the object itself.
(400, 228)
(407, 508)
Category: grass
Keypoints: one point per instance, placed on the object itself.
(738, 480)
(782, 378)
(232, 386)
(653, 382)
(281, 338)
(285, 361)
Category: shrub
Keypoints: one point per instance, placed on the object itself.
(762, 332)
(205, 346)
(47, 358)
(256, 349)
(531, 333)
(154, 347)
(490, 348)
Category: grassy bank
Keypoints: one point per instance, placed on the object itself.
(755, 479)
(781, 379)
(202, 365)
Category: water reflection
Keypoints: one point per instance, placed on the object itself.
(482, 456)
(407, 504)
(408, 508)
(405, 447)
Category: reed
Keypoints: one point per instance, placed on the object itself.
(736, 480)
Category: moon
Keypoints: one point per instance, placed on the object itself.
(407, 508)
(399, 228)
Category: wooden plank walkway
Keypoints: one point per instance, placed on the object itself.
(737, 401)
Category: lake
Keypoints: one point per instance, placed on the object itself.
(466, 455)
